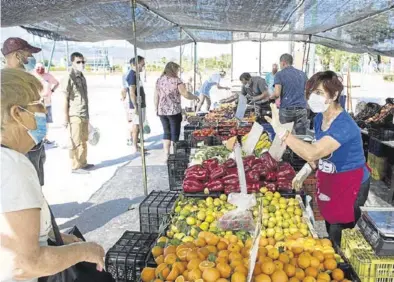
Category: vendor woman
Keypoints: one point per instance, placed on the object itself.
(343, 178)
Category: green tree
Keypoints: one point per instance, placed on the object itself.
(325, 55)
(163, 60)
(337, 58)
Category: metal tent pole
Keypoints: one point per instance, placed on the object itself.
(180, 53)
(137, 71)
(260, 56)
(51, 57)
(67, 55)
(195, 68)
(42, 52)
(232, 61)
(307, 56)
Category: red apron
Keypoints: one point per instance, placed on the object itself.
(337, 193)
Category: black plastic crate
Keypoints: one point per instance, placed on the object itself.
(205, 141)
(127, 258)
(188, 130)
(182, 147)
(177, 164)
(381, 134)
(155, 209)
(376, 147)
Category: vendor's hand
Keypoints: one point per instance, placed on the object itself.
(299, 179)
(69, 239)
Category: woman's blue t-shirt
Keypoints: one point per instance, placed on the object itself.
(350, 155)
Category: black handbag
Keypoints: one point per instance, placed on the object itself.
(81, 272)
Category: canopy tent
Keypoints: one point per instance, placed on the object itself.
(351, 25)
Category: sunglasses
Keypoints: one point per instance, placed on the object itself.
(37, 103)
(80, 62)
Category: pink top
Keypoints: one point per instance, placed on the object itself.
(168, 95)
(48, 81)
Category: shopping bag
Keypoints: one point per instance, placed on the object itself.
(94, 135)
(63, 139)
(146, 127)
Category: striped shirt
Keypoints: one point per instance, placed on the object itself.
(293, 87)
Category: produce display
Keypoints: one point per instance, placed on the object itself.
(204, 153)
(204, 132)
(223, 177)
(376, 116)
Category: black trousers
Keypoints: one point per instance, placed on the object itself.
(335, 230)
(171, 127)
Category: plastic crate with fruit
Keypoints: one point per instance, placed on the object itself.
(155, 209)
(368, 266)
(176, 164)
(127, 258)
(182, 147)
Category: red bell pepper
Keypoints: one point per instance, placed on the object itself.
(210, 164)
(192, 186)
(232, 170)
(253, 187)
(286, 171)
(215, 186)
(232, 189)
(201, 175)
(259, 167)
(230, 179)
(269, 161)
(230, 163)
(271, 176)
(256, 162)
(284, 186)
(247, 167)
(271, 187)
(217, 173)
(253, 176)
(194, 168)
(248, 160)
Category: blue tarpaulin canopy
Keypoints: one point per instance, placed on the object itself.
(350, 25)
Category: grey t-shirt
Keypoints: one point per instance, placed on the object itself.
(19, 190)
(257, 87)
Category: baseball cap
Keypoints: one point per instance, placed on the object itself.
(14, 44)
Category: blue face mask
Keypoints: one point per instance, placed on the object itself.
(31, 63)
(40, 132)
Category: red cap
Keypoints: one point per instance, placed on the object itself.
(14, 44)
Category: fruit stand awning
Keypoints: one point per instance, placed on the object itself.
(351, 25)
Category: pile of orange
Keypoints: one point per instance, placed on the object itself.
(210, 258)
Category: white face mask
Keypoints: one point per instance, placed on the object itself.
(80, 67)
(317, 103)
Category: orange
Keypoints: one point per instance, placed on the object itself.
(234, 248)
(321, 267)
(181, 267)
(278, 265)
(223, 253)
(170, 259)
(212, 249)
(267, 259)
(268, 267)
(315, 262)
(303, 262)
(273, 253)
(257, 269)
(290, 270)
(235, 262)
(221, 246)
(330, 264)
(164, 273)
(241, 268)
(212, 239)
(148, 274)
(297, 250)
(337, 274)
(221, 260)
(193, 264)
(294, 279)
(262, 278)
(211, 275)
(326, 242)
(324, 276)
(182, 253)
(192, 255)
(203, 253)
(160, 268)
(319, 255)
(186, 273)
(294, 262)
(271, 241)
(290, 254)
(300, 274)
(311, 271)
(159, 259)
(206, 264)
(158, 280)
(309, 279)
(157, 251)
(279, 276)
(173, 274)
(180, 279)
(222, 280)
(194, 274)
(169, 250)
(200, 242)
(245, 252)
(284, 258)
(238, 277)
(234, 255)
(262, 252)
(263, 242)
(224, 270)
(327, 256)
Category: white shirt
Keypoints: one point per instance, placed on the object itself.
(19, 190)
(215, 78)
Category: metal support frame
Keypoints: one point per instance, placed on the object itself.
(195, 68)
(307, 56)
(67, 56)
(180, 53)
(232, 58)
(51, 57)
(137, 71)
(42, 52)
(260, 56)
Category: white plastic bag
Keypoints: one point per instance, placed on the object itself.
(240, 218)
(63, 139)
(94, 135)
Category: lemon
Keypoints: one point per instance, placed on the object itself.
(187, 239)
(223, 197)
(178, 209)
(217, 202)
(209, 218)
(204, 226)
(229, 233)
(209, 201)
(170, 234)
(191, 220)
(271, 224)
(201, 215)
(270, 232)
(272, 208)
(179, 236)
(264, 234)
(162, 239)
(263, 190)
(174, 229)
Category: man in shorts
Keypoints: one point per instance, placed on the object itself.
(206, 89)
(132, 82)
